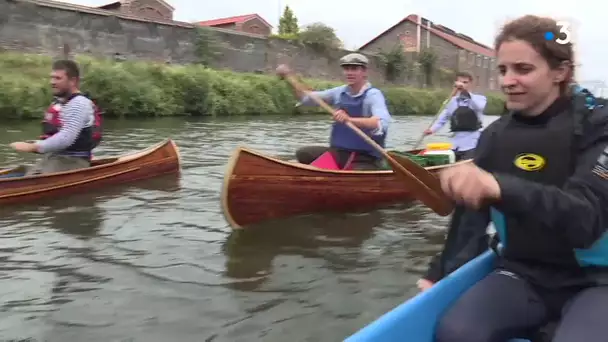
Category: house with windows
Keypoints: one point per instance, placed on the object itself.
(455, 51)
(249, 23)
(148, 9)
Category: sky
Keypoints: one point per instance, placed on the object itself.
(479, 19)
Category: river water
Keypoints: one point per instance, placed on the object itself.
(156, 261)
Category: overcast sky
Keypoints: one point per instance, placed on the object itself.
(479, 19)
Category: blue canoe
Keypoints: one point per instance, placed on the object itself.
(415, 320)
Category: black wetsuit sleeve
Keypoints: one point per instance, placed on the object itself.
(578, 209)
(466, 238)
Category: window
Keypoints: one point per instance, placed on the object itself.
(486, 62)
(491, 83)
(479, 60)
(462, 55)
(254, 29)
(471, 58)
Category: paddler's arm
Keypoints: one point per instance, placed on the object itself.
(74, 115)
(579, 209)
(379, 118)
(478, 103)
(329, 96)
(467, 237)
(444, 116)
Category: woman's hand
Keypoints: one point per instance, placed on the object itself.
(469, 185)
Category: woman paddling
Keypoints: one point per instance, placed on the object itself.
(544, 171)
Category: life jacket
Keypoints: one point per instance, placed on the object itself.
(88, 138)
(343, 137)
(464, 118)
(539, 156)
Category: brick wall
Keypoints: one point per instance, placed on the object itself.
(42, 26)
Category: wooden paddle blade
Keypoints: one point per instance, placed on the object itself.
(427, 190)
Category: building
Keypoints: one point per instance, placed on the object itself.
(250, 23)
(149, 9)
(455, 51)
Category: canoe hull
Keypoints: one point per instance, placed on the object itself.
(258, 188)
(416, 319)
(160, 159)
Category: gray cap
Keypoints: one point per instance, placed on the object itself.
(354, 59)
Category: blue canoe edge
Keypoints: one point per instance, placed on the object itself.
(415, 320)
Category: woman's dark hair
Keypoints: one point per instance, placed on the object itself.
(533, 29)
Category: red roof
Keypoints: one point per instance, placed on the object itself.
(461, 43)
(232, 20)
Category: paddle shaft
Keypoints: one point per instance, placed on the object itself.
(429, 197)
(445, 103)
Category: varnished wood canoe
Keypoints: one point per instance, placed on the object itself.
(257, 188)
(160, 159)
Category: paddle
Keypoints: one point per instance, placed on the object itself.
(428, 190)
(445, 102)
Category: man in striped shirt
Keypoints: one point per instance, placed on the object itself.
(68, 125)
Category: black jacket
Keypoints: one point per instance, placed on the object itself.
(581, 204)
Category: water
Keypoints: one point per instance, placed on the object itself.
(156, 261)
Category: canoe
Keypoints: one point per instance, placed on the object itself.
(160, 159)
(416, 319)
(257, 188)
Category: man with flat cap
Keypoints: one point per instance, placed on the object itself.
(356, 102)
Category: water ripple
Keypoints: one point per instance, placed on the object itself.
(156, 261)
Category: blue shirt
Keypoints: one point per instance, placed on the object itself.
(462, 141)
(374, 103)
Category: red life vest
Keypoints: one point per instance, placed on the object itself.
(88, 138)
(52, 121)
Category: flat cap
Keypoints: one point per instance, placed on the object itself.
(354, 59)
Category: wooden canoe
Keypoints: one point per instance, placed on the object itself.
(257, 188)
(160, 159)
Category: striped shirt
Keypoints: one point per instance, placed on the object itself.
(75, 115)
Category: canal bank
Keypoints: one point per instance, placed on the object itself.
(143, 90)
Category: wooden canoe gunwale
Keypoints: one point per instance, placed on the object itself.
(122, 159)
(234, 159)
(130, 163)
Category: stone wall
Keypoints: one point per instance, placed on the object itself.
(43, 26)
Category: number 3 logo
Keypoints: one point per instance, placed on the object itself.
(564, 28)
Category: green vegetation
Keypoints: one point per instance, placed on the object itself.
(206, 46)
(288, 23)
(318, 36)
(143, 89)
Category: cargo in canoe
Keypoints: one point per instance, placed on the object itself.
(257, 188)
(416, 319)
(160, 159)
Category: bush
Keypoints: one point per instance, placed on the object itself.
(143, 89)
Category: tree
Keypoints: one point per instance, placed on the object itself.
(206, 46)
(428, 60)
(394, 63)
(288, 23)
(320, 37)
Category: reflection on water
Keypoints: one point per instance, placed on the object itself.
(155, 260)
(250, 253)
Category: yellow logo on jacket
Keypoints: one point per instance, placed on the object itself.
(529, 162)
